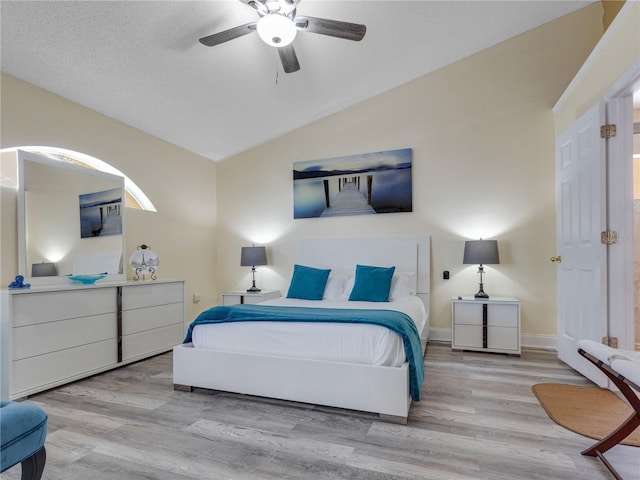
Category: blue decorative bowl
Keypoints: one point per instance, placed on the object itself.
(87, 279)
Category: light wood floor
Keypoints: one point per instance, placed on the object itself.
(478, 419)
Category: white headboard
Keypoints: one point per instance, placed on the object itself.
(408, 253)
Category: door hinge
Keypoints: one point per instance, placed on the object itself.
(608, 130)
(610, 341)
(609, 237)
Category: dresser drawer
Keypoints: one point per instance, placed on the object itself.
(152, 317)
(46, 371)
(35, 308)
(139, 345)
(32, 340)
(151, 294)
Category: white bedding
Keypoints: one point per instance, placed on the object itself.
(353, 343)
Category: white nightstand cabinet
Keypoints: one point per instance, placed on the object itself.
(486, 325)
(234, 298)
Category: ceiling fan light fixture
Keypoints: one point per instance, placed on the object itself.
(276, 30)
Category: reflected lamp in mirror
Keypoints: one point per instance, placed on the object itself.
(253, 257)
(481, 252)
(44, 269)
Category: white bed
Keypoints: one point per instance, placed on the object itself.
(315, 368)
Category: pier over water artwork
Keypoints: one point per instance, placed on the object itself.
(363, 184)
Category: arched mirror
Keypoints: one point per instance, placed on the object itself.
(70, 220)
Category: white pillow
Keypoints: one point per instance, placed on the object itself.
(334, 288)
(402, 286)
(348, 286)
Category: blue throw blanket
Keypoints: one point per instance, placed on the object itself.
(397, 322)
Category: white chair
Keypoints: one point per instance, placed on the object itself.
(622, 367)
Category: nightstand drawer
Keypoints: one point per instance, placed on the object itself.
(502, 315)
(499, 315)
(501, 338)
(498, 338)
(234, 298)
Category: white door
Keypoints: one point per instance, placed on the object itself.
(620, 207)
(581, 216)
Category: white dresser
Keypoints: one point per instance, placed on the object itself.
(61, 333)
(486, 325)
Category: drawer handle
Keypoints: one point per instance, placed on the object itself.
(556, 259)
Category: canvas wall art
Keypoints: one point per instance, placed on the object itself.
(363, 184)
(101, 213)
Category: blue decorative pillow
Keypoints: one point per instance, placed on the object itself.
(307, 283)
(372, 284)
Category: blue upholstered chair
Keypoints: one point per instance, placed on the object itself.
(23, 429)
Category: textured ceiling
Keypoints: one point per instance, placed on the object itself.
(140, 62)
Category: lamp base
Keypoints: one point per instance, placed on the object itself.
(481, 293)
(253, 288)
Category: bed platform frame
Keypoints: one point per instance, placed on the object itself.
(377, 389)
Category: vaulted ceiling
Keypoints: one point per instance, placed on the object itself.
(140, 62)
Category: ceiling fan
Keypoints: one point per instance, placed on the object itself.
(278, 25)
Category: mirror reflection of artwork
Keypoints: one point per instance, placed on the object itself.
(101, 213)
(363, 184)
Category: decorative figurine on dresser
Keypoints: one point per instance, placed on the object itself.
(19, 283)
(144, 261)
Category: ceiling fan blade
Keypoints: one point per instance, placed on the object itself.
(221, 37)
(333, 28)
(289, 59)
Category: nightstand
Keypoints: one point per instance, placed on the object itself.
(485, 324)
(242, 296)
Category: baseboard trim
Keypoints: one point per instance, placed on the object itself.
(440, 335)
(540, 342)
(531, 341)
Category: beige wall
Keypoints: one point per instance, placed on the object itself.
(611, 9)
(482, 134)
(180, 184)
(602, 71)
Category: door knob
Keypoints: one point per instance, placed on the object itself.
(556, 259)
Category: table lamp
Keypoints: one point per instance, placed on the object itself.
(481, 252)
(251, 257)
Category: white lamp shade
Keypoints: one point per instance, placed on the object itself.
(276, 30)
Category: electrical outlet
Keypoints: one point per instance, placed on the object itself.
(196, 297)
